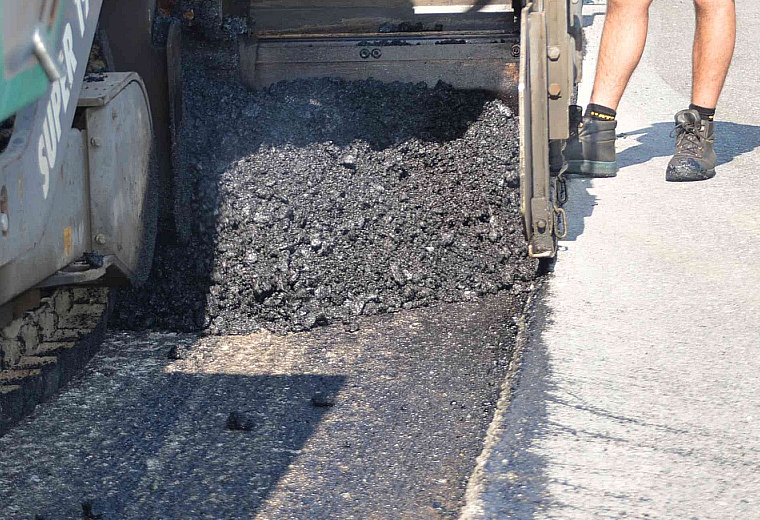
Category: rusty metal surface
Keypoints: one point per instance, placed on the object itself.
(537, 202)
(559, 67)
(466, 62)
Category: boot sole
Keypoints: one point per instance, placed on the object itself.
(596, 169)
(674, 177)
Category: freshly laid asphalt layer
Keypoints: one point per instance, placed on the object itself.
(381, 423)
(317, 201)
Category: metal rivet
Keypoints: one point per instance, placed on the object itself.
(553, 52)
(376, 53)
(555, 89)
(101, 239)
(95, 142)
(541, 225)
(364, 54)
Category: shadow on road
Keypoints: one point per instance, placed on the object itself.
(171, 453)
(731, 141)
(580, 205)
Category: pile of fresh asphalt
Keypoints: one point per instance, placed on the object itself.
(317, 201)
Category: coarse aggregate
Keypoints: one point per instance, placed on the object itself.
(317, 201)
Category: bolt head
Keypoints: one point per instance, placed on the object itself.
(376, 53)
(95, 142)
(555, 89)
(364, 54)
(101, 239)
(541, 225)
(4, 223)
(553, 52)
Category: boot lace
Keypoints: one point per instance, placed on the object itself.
(688, 139)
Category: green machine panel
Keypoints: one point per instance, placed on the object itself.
(27, 50)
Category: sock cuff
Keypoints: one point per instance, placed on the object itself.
(600, 112)
(705, 113)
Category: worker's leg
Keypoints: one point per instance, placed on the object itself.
(623, 39)
(714, 40)
(713, 48)
(590, 150)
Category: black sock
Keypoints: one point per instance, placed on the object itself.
(705, 113)
(600, 112)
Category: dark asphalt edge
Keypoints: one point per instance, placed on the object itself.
(508, 481)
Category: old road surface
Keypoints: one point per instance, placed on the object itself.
(636, 396)
(639, 398)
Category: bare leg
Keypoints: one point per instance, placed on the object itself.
(623, 39)
(713, 48)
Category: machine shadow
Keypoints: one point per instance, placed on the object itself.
(579, 206)
(731, 141)
(175, 456)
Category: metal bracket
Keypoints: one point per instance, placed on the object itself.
(77, 273)
(99, 89)
(40, 48)
(536, 182)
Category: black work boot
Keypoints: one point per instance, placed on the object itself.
(590, 149)
(695, 157)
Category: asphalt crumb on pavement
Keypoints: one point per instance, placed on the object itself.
(317, 201)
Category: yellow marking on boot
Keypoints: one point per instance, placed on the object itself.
(603, 116)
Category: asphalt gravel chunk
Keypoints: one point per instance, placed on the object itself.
(317, 201)
(138, 436)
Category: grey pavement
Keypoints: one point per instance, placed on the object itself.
(638, 393)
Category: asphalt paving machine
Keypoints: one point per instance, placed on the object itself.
(91, 102)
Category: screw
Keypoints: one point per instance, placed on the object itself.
(376, 53)
(364, 54)
(555, 90)
(101, 239)
(4, 224)
(553, 52)
(515, 50)
(541, 225)
(95, 142)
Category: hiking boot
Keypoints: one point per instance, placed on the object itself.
(695, 157)
(590, 149)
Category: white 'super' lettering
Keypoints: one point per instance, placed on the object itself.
(68, 52)
(83, 10)
(59, 100)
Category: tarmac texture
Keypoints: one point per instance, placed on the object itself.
(316, 201)
(384, 423)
